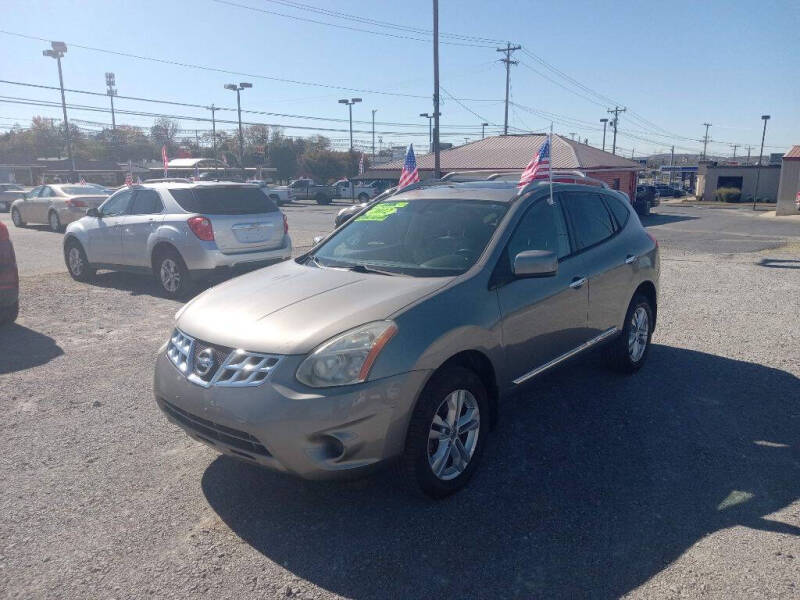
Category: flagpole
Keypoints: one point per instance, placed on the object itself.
(552, 165)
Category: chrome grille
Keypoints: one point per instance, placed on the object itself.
(231, 368)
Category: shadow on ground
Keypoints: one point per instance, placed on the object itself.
(22, 348)
(139, 284)
(591, 484)
(779, 263)
(654, 219)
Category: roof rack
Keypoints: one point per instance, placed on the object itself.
(574, 177)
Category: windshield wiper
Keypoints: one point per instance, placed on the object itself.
(362, 268)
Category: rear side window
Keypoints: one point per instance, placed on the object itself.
(618, 209)
(146, 202)
(590, 218)
(224, 200)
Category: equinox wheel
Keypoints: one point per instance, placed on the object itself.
(630, 349)
(447, 433)
(77, 264)
(16, 218)
(171, 273)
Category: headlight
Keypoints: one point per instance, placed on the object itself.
(346, 358)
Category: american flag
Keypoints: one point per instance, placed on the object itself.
(82, 181)
(361, 165)
(410, 174)
(138, 180)
(539, 167)
(164, 159)
(129, 179)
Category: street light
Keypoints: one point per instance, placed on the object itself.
(483, 129)
(765, 118)
(430, 129)
(238, 88)
(604, 122)
(111, 91)
(57, 51)
(350, 103)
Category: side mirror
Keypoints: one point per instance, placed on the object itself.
(93, 212)
(535, 263)
(318, 239)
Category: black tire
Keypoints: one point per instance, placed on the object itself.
(16, 218)
(276, 199)
(171, 274)
(77, 264)
(415, 464)
(323, 199)
(9, 314)
(54, 222)
(621, 356)
(362, 197)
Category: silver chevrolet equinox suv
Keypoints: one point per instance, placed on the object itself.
(398, 335)
(180, 232)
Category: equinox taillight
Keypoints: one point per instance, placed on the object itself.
(201, 227)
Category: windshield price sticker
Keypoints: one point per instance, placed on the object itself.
(381, 211)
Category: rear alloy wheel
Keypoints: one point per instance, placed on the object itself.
(362, 197)
(77, 264)
(172, 274)
(54, 221)
(447, 433)
(16, 218)
(322, 199)
(630, 349)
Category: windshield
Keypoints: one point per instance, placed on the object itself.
(423, 238)
(75, 190)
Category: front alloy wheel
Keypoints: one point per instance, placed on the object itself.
(638, 334)
(55, 222)
(172, 274)
(453, 434)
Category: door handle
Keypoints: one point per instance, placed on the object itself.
(630, 259)
(577, 283)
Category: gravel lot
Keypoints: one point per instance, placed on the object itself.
(682, 481)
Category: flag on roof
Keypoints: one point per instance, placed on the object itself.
(129, 179)
(196, 175)
(539, 167)
(82, 181)
(164, 159)
(361, 165)
(138, 180)
(410, 173)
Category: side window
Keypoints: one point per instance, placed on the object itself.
(146, 202)
(541, 228)
(618, 209)
(589, 217)
(46, 192)
(34, 193)
(117, 204)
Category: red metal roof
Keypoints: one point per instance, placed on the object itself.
(514, 152)
(793, 154)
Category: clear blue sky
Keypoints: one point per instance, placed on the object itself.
(675, 64)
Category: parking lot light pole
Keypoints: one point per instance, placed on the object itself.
(238, 88)
(350, 103)
(111, 91)
(765, 118)
(57, 51)
(604, 122)
(430, 129)
(374, 110)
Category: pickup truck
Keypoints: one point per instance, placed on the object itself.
(307, 189)
(348, 190)
(8, 193)
(280, 194)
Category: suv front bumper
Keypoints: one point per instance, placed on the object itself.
(285, 426)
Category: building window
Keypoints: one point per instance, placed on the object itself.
(616, 183)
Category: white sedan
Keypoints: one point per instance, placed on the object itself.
(57, 205)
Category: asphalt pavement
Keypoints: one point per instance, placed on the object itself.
(682, 481)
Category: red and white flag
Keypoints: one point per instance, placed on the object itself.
(129, 180)
(410, 173)
(82, 181)
(361, 165)
(164, 159)
(539, 167)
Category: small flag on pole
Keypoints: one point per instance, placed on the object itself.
(164, 160)
(539, 167)
(82, 181)
(361, 165)
(410, 173)
(138, 180)
(196, 173)
(129, 180)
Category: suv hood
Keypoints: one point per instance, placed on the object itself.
(290, 308)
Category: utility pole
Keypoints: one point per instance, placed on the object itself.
(483, 130)
(735, 146)
(374, 110)
(615, 124)
(350, 103)
(572, 135)
(507, 60)
(765, 118)
(671, 163)
(437, 166)
(57, 51)
(213, 110)
(238, 88)
(604, 122)
(748, 154)
(705, 139)
(111, 91)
